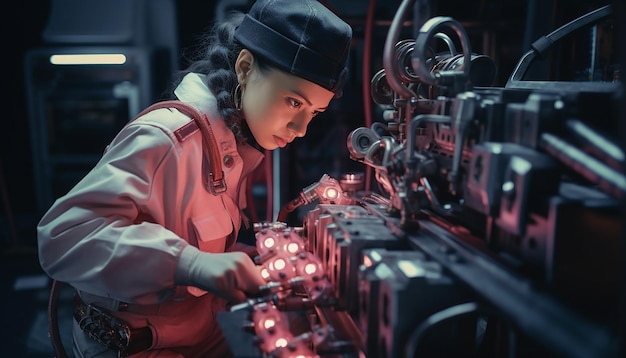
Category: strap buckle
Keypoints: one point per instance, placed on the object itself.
(217, 186)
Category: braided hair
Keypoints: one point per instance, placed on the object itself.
(215, 58)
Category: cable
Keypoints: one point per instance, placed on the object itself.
(367, 50)
(544, 44)
(436, 319)
(53, 320)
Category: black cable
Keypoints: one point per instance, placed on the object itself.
(540, 47)
(367, 60)
(435, 319)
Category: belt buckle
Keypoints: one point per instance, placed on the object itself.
(107, 329)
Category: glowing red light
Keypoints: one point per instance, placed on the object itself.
(265, 273)
(266, 241)
(265, 317)
(309, 266)
(278, 268)
(267, 323)
(279, 264)
(281, 342)
(269, 242)
(331, 193)
(275, 337)
(310, 269)
(292, 247)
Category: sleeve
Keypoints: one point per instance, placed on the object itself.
(90, 237)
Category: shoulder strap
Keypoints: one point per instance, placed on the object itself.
(215, 182)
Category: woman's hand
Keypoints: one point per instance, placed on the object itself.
(231, 275)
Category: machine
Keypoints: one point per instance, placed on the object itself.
(495, 225)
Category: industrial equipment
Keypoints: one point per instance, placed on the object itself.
(495, 229)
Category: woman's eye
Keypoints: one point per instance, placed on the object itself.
(315, 113)
(295, 103)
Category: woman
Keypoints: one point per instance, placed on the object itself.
(149, 248)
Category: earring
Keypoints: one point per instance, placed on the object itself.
(237, 97)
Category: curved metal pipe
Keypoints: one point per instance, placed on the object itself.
(390, 49)
(386, 144)
(445, 38)
(415, 122)
(430, 28)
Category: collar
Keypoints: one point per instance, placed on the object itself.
(193, 90)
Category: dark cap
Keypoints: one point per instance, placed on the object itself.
(301, 37)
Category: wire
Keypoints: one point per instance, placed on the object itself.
(53, 320)
(436, 319)
(367, 59)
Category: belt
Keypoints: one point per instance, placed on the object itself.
(112, 332)
(114, 305)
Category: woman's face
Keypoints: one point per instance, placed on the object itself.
(279, 106)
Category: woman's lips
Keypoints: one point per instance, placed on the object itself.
(280, 142)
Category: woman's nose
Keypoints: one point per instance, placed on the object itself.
(298, 125)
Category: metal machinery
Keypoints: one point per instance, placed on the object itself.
(496, 229)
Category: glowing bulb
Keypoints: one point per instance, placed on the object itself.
(309, 269)
(266, 241)
(269, 242)
(265, 273)
(293, 247)
(269, 323)
(309, 266)
(331, 193)
(292, 243)
(279, 268)
(267, 318)
(279, 264)
(274, 338)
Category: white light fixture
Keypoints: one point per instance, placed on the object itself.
(88, 59)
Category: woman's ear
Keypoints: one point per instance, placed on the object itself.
(243, 65)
